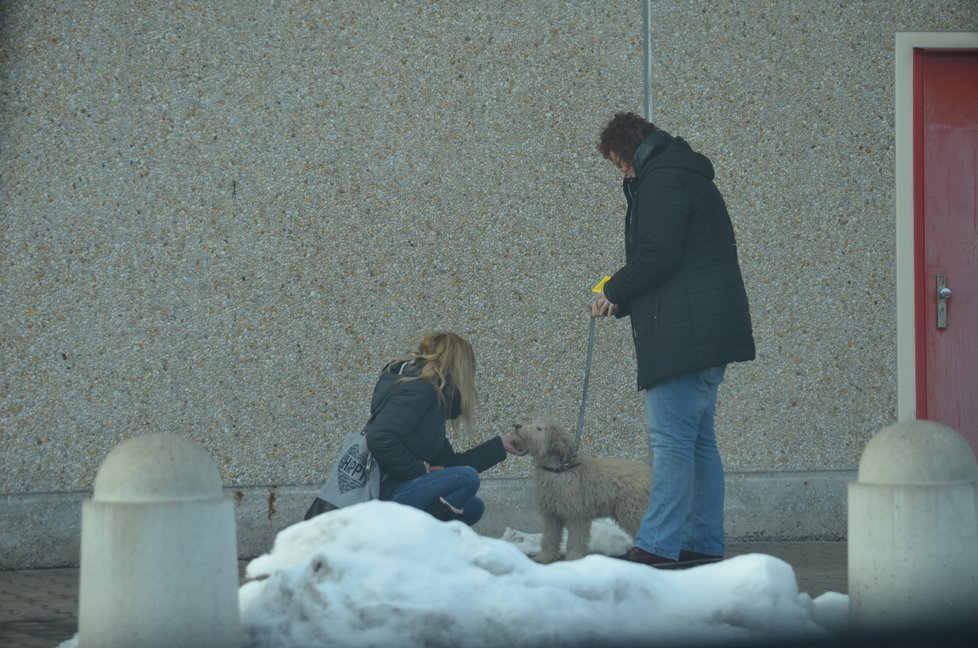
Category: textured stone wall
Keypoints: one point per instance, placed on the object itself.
(221, 219)
(795, 103)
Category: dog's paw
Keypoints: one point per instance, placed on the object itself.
(543, 560)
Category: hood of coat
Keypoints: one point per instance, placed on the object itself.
(396, 370)
(660, 150)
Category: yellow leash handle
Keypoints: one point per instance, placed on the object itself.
(600, 285)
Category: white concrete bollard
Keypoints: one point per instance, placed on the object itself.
(913, 529)
(158, 550)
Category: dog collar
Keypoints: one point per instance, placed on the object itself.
(561, 468)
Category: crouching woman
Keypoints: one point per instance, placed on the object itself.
(414, 399)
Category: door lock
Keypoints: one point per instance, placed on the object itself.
(943, 294)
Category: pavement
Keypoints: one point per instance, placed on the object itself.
(39, 607)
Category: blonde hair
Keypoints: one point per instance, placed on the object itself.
(448, 362)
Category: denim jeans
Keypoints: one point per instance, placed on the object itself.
(457, 484)
(686, 503)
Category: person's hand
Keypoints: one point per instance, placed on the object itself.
(512, 447)
(433, 468)
(603, 307)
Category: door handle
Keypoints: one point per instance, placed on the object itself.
(943, 294)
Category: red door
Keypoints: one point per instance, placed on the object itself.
(946, 222)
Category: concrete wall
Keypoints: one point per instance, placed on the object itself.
(222, 218)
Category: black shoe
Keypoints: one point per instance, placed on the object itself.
(643, 557)
(693, 559)
(442, 510)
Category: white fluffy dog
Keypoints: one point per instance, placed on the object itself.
(573, 492)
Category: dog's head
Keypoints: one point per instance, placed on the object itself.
(545, 440)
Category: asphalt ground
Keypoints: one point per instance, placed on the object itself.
(39, 607)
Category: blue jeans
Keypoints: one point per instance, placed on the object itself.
(686, 503)
(457, 484)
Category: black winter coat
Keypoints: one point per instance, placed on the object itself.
(407, 430)
(681, 282)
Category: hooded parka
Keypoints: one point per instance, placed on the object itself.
(407, 430)
(681, 283)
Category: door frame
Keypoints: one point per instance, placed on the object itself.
(906, 252)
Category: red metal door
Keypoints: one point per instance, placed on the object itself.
(946, 222)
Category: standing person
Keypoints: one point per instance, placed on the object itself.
(682, 289)
(412, 401)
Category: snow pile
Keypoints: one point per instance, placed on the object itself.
(380, 574)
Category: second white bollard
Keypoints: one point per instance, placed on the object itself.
(913, 529)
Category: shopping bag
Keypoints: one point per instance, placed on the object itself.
(355, 477)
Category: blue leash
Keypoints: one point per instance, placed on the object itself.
(587, 376)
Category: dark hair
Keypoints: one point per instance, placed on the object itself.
(623, 135)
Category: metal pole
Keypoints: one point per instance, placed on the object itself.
(647, 29)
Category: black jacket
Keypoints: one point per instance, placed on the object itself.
(407, 429)
(681, 282)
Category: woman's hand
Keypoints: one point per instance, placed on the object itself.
(512, 447)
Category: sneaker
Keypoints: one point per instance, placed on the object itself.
(643, 557)
(444, 511)
(693, 558)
